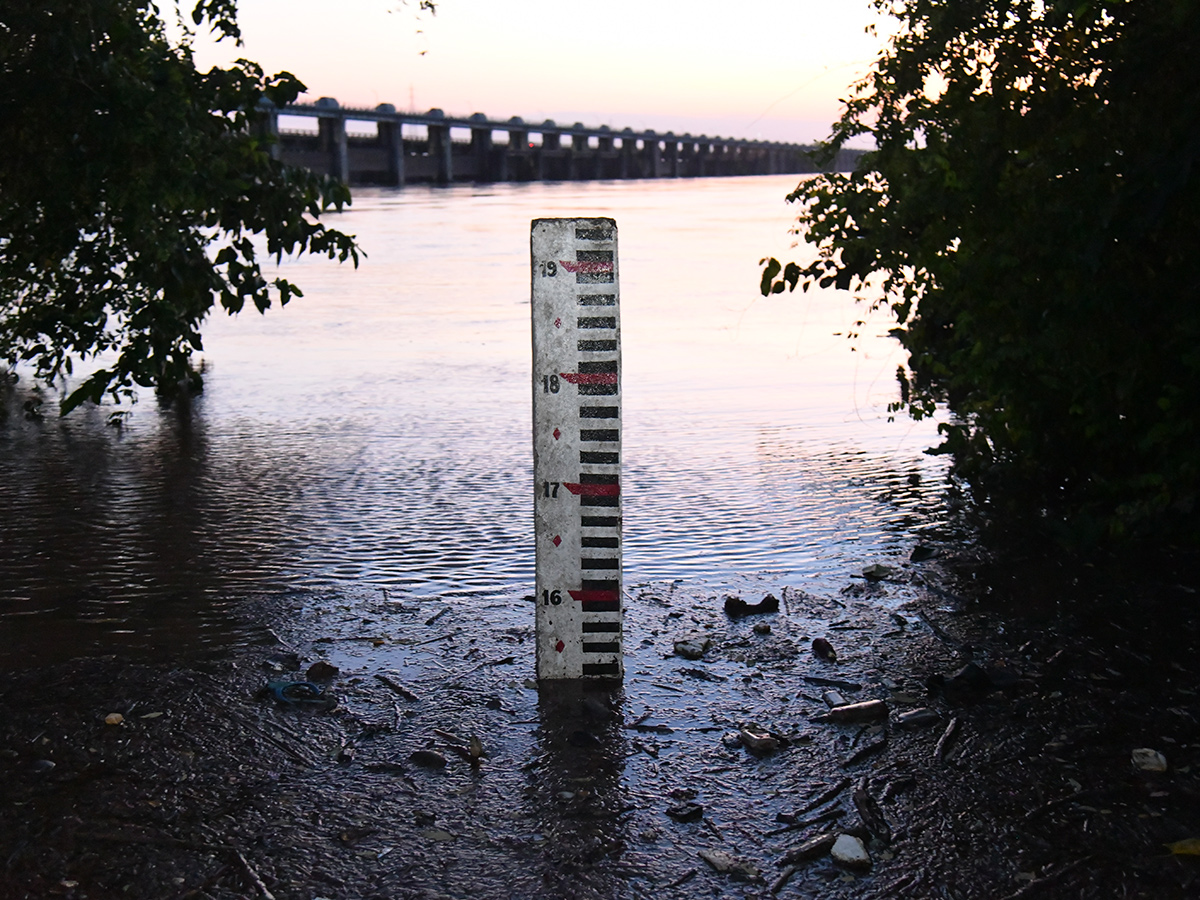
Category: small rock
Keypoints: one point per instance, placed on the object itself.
(732, 740)
(693, 647)
(850, 852)
(437, 834)
(686, 812)
(729, 865)
(918, 718)
(322, 671)
(1149, 761)
(758, 740)
(41, 766)
(876, 572)
(762, 628)
(822, 649)
(430, 759)
(114, 719)
(921, 552)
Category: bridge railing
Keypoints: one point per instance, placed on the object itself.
(444, 153)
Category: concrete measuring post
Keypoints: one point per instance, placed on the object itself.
(577, 447)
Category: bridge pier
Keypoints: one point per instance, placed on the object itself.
(331, 133)
(565, 152)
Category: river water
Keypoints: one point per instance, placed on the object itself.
(376, 434)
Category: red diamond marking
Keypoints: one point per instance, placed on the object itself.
(557, 540)
(557, 434)
(558, 323)
(559, 646)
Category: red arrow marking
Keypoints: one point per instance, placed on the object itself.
(593, 596)
(590, 378)
(593, 490)
(587, 268)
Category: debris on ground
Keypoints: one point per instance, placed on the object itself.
(849, 851)
(822, 649)
(736, 607)
(692, 647)
(727, 864)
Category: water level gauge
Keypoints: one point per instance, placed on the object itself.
(577, 447)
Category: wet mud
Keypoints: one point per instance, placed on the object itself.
(980, 752)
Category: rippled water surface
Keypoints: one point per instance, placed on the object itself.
(376, 434)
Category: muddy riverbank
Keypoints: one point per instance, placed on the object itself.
(187, 780)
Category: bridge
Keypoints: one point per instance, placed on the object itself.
(431, 147)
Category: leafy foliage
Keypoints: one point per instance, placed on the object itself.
(130, 187)
(1030, 217)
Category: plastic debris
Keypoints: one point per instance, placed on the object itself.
(1186, 847)
(301, 693)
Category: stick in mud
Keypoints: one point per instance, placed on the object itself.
(943, 744)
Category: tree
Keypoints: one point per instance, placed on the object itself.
(1029, 217)
(131, 185)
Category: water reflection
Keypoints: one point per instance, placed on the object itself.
(575, 791)
(136, 542)
(376, 434)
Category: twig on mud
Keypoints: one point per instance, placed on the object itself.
(836, 813)
(438, 615)
(941, 634)
(867, 750)
(833, 683)
(397, 688)
(943, 744)
(784, 877)
(159, 839)
(683, 879)
(1038, 883)
(290, 751)
(825, 797)
(1070, 798)
(258, 882)
(440, 637)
